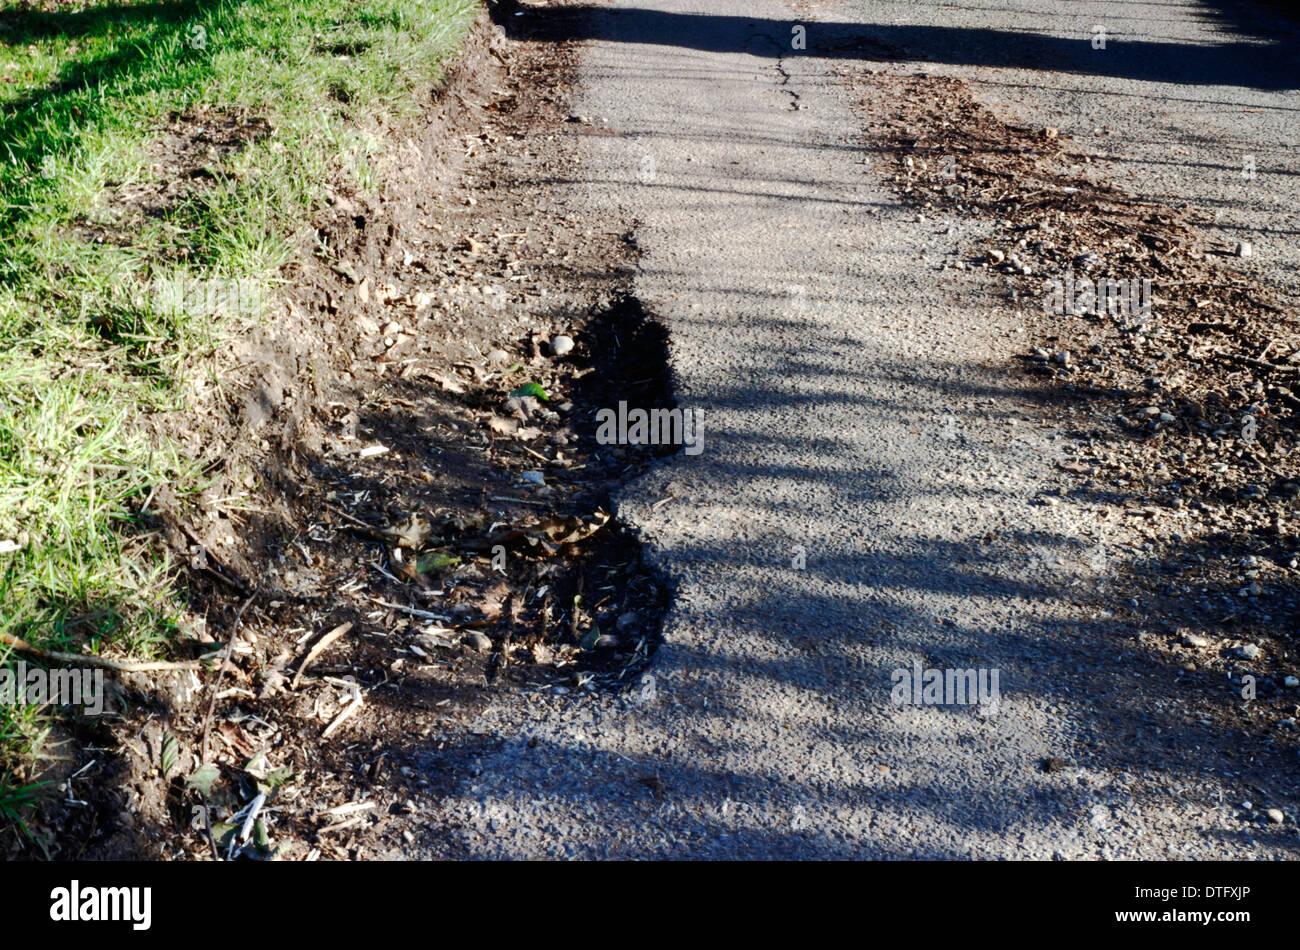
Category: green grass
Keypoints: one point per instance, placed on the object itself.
(89, 347)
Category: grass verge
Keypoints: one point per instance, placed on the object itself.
(160, 163)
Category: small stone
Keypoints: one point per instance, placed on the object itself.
(996, 256)
(1291, 682)
(499, 357)
(1196, 640)
(1051, 132)
(1248, 652)
(1244, 249)
(533, 477)
(562, 345)
(1063, 357)
(1275, 815)
(478, 642)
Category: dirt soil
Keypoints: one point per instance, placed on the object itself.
(377, 491)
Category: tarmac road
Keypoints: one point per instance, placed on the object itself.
(869, 497)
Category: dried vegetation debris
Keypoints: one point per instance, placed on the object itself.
(1185, 412)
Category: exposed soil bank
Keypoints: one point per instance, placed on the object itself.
(390, 484)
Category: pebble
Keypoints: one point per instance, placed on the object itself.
(533, 477)
(499, 357)
(1275, 815)
(1248, 652)
(1291, 682)
(562, 345)
(1244, 249)
(479, 642)
(1196, 640)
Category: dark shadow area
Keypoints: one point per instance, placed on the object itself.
(1271, 65)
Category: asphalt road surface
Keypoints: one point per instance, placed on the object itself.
(869, 497)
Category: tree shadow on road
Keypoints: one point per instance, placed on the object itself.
(1107, 745)
(1269, 61)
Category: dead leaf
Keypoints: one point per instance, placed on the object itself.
(571, 529)
(450, 385)
(233, 736)
(411, 533)
(493, 600)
